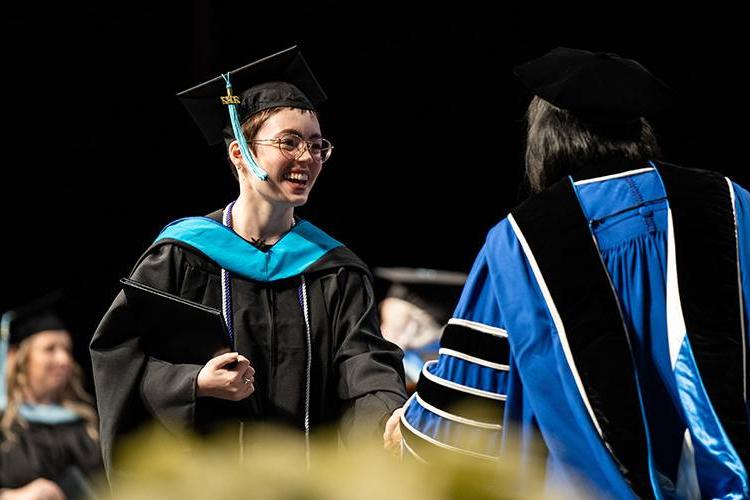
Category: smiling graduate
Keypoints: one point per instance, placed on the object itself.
(304, 346)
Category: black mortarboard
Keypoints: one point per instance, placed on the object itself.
(595, 85)
(280, 80)
(434, 291)
(34, 317)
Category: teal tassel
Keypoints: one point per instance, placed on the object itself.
(234, 117)
(4, 339)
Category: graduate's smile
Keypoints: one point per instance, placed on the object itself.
(297, 181)
(292, 173)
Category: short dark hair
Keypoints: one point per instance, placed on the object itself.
(558, 142)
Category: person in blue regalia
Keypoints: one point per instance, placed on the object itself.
(607, 316)
(304, 346)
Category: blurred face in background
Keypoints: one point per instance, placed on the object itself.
(407, 325)
(48, 364)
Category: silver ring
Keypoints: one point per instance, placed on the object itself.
(246, 380)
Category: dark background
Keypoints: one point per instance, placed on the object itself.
(424, 113)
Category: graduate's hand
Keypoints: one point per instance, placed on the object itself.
(218, 380)
(392, 434)
(38, 489)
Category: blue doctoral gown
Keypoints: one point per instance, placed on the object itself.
(608, 318)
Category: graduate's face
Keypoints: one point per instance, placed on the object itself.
(50, 363)
(289, 180)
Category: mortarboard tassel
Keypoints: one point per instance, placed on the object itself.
(232, 101)
(4, 340)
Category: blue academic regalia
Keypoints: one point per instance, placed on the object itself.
(608, 317)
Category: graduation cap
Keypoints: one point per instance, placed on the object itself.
(36, 316)
(220, 105)
(595, 85)
(434, 291)
(21, 323)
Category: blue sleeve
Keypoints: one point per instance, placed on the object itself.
(478, 302)
(460, 399)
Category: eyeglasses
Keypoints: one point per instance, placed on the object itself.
(293, 147)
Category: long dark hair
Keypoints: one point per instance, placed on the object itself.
(558, 142)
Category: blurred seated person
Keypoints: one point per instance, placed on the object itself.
(49, 445)
(417, 304)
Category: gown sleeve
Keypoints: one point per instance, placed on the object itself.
(369, 368)
(461, 397)
(131, 386)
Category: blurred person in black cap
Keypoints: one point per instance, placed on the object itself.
(417, 304)
(608, 313)
(49, 444)
(305, 344)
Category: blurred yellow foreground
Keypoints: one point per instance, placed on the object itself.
(274, 467)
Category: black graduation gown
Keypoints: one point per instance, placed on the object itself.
(355, 372)
(50, 451)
